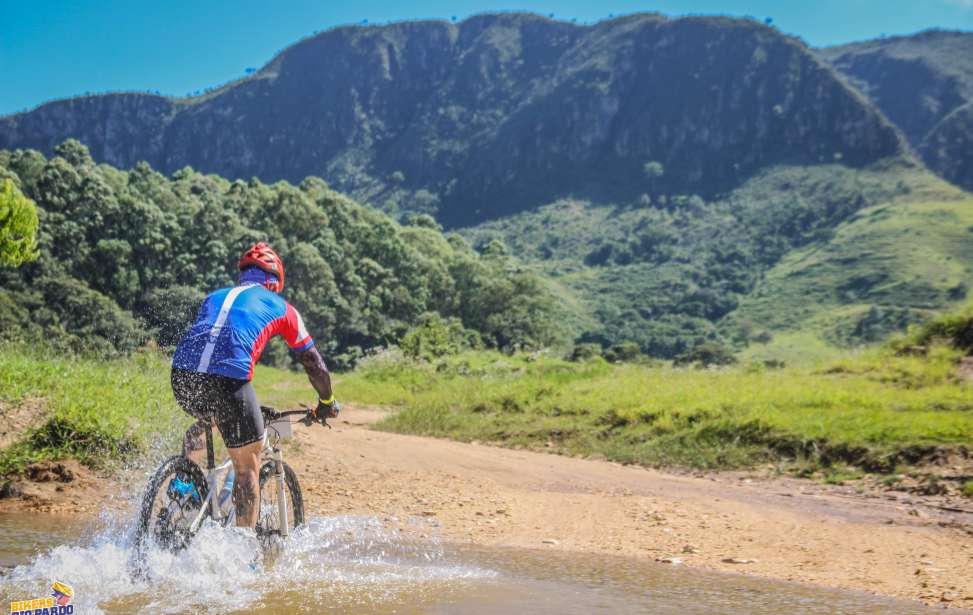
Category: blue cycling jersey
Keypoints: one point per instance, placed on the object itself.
(233, 328)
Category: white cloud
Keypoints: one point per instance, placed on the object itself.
(963, 4)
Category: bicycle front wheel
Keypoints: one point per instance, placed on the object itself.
(171, 502)
(269, 520)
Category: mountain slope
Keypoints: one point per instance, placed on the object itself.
(497, 114)
(795, 263)
(889, 265)
(948, 147)
(921, 82)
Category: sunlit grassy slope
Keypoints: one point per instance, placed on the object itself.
(904, 253)
(908, 257)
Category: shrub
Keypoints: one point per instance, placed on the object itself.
(705, 355)
(956, 329)
(584, 352)
(436, 337)
(626, 352)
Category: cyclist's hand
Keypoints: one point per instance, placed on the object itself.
(327, 409)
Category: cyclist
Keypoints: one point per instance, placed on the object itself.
(213, 366)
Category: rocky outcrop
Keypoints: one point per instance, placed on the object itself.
(922, 83)
(497, 113)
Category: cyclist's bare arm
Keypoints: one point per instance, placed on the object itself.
(317, 371)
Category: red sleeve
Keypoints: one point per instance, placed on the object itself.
(293, 330)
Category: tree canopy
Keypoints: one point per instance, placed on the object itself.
(18, 226)
(127, 256)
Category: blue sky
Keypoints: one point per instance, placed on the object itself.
(53, 49)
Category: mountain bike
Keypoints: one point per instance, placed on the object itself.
(180, 496)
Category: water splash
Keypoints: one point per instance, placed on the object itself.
(338, 560)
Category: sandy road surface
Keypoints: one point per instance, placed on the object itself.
(778, 529)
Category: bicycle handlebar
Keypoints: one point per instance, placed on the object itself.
(274, 414)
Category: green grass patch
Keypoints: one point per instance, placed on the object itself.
(872, 412)
(102, 412)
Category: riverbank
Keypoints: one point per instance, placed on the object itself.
(900, 419)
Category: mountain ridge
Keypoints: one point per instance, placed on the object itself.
(495, 114)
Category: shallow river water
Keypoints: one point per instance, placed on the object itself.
(363, 565)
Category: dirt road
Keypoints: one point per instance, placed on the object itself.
(780, 528)
(783, 529)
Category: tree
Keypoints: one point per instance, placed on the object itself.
(18, 226)
(436, 337)
(424, 221)
(653, 171)
(128, 254)
(495, 248)
(170, 312)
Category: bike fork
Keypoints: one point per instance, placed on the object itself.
(281, 492)
(211, 478)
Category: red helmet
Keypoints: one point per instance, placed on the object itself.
(263, 256)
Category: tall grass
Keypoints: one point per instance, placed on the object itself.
(95, 411)
(874, 412)
(101, 412)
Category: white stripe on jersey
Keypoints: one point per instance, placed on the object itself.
(214, 333)
(302, 334)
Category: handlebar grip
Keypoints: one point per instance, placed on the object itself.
(269, 412)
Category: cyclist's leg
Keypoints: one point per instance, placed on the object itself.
(246, 489)
(194, 392)
(242, 426)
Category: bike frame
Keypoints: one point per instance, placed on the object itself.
(216, 475)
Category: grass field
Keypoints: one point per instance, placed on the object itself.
(873, 412)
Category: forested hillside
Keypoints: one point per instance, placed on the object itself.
(497, 114)
(924, 84)
(795, 263)
(126, 256)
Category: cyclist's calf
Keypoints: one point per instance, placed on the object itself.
(246, 491)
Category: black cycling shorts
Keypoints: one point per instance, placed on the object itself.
(233, 402)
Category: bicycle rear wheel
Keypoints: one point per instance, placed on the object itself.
(171, 502)
(268, 521)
